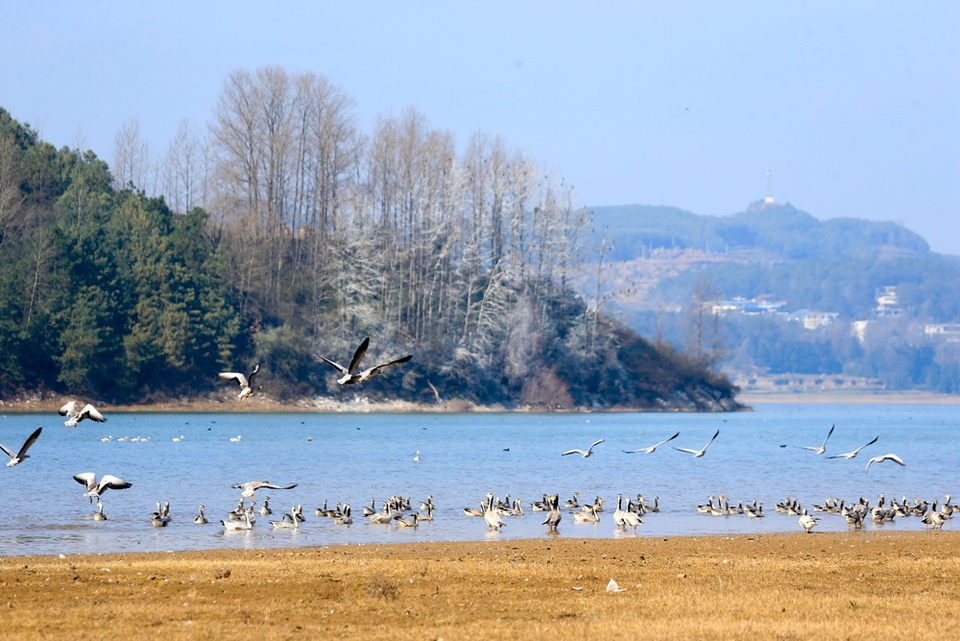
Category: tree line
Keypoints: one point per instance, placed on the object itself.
(284, 230)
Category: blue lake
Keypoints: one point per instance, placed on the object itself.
(354, 458)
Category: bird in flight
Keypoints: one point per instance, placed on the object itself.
(652, 448)
(107, 482)
(698, 453)
(853, 454)
(19, 457)
(581, 452)
(876, 459)
(822, 448)
(351, 376)
(74, 415)
(245, 382)
(252, 486)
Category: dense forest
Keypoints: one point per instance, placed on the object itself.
(283, 231)
(780, 253)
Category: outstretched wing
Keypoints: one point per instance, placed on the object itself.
(89, 411)
(86, 478)
(69, 409)
(112, 482)
(687, 450)
(829, 434)
(358, 355)
(8, 452)
(236, 377)
(253, 373)
(580, 452)
(27, 443)
(337, 366)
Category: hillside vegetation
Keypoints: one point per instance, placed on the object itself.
(285, 232)
(778, 253)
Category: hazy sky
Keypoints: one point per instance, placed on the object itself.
(854, 105)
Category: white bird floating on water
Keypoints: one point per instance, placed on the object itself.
(107, 482)
(698, 453)
(21, 456)
(74, 415)
(351, 376)
(236, 439)
(876, 459)
(245, 382)
(652, 448)
(822, 448)
(581, 452)
(853, 454)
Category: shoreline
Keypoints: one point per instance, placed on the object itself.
(672, 588)
(323, 405)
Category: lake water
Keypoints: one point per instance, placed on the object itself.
(354, 458)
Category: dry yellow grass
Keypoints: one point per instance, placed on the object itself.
(820, 586)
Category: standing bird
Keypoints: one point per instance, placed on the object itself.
(74, 415)
(822, 448)
(698, 453)
(876, 459)
(553, 518)
(21, 456)
(853, 454)
(581, 452)
(351, 376)
(107, 482)
(807, 522)
(652, 448)
(245, 382)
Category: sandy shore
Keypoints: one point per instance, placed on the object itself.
(854, 585)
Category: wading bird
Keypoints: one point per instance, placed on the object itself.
(351, 376)
(245, 382)
(21, 456)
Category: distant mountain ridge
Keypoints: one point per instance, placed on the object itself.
(782, 230)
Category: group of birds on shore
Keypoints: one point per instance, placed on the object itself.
(859, 512)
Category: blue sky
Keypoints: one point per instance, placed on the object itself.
(854, 106)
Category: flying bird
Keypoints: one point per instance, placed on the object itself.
(107, 482)
(74, 415)
(652, 448)
(581, 452)
(822, 448)
(252, 486)
(351, 376)
(876, 459)
(698, 453)
(19, 457)
(245, 382)
(853, 454)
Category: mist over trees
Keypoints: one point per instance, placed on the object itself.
(282, 230)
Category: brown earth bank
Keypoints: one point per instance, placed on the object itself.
(858, 585)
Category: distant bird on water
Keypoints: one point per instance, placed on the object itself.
(876, 459)
(652, 448)
(245, 382)
(586, 454)
(21, 456)
(75, 415)
(853, 454)
(822, 448)
(698, 453)
(351, 376)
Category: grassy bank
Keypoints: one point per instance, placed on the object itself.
(822, 585)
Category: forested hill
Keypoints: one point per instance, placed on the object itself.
(287, 232)
(782, 230)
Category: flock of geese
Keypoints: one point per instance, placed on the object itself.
(397, 510)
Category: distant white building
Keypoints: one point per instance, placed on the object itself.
(751, 306)
(949, 332)
(887, 302)
(813, 319)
